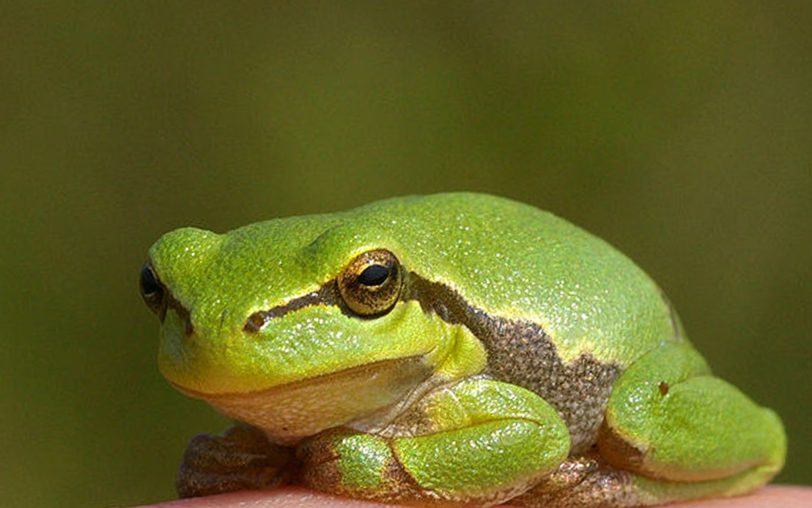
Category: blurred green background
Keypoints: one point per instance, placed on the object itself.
(680, 132)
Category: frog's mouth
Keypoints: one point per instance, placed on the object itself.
(293, 411)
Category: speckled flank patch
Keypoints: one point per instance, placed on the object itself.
(521, 353)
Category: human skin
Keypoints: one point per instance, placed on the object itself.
(775, 496)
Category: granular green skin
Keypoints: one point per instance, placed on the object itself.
(364, 461)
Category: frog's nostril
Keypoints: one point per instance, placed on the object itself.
(152, 290)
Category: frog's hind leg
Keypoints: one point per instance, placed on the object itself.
(672, 432)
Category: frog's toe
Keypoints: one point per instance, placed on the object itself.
(242, 458)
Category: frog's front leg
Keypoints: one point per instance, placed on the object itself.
(242, 458)
(478, 441)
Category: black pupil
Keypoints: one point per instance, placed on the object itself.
(149, 284)
(374, 275)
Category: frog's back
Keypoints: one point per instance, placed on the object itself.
(560, 311)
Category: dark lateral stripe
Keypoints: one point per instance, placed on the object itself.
(439, 299)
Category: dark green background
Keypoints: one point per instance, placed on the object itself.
(682, 133)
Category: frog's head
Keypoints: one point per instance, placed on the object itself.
(297, 325)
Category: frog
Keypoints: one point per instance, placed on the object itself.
(449, 349)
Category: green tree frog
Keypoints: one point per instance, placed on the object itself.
(452, 349)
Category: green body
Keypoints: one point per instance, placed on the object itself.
(507, 355)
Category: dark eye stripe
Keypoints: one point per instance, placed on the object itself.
(325, 295)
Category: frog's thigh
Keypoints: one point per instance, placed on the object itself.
(669, 420)
(479, 441)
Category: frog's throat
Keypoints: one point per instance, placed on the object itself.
(292, 411)
(519, 352)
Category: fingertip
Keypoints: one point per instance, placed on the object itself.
(773, 496)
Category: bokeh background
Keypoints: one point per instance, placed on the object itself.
(680, 132)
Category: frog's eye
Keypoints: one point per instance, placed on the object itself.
(370, 284)
(152, 291)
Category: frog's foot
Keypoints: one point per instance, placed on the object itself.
(242, 458)
(680, 433)
(580, 482)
